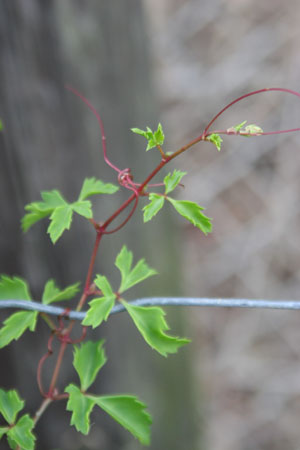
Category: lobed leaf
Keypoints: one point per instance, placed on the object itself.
(156, 203)
(129, 412)
(192, 212)
(152, 326)
(53, 294)
(91, 186)
(39, 210)
(130, 277)
(13, 288)
(81, 407)
(216, 139)
(3, 430)
(83, 208)
(15, 325)
(21, 433)
(89, 358)
(61, 219)
(10, 405)
(171, 181)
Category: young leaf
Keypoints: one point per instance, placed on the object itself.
(53, 294)
(10, 405)
(129, 277)
(81, 407)
(61, 219)
(91, 186)
(215, 139)
(21, 433)
(240, 126)
(251, 129)
(154, 138)
(39, 210)
(100, 307)
(171, 181)
(15, 325)
(156, 203)
(129, 412)
(88, 360)
(192, 212)
(83, 208)
(152, 326)
(14, 288)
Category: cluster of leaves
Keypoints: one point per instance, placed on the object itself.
(60, 211)
(90, 357)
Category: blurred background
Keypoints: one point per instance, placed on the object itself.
(237, 386)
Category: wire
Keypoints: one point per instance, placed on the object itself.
(160, 301)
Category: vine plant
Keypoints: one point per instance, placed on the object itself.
(89, 356)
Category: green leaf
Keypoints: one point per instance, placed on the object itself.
(21, 433)
(61, 219)
(156, 203)
(152, 326)
(240, 126)
(10, 405)
(13, 288)
(154, 138)
(192, 212)
(100, 307)
(15, 325)
(3, 430)
(91, 186)
(83, 208)
(53, 294)
(129, 277)
(81, 407)
(215, 139)
(171, 181)
(251, 129)
(99, 310)
(88, 360)
(1, 125)
(129, 412)
(39, 210)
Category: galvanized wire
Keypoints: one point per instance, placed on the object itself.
(160, 301)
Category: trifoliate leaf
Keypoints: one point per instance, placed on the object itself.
(88, 360)
(156, 203)
(152, 326)
(192, 212)
(154, 138)
(39, 210)
(14, 288)
(61, 219)
(21, 433)
(129, 412)
(10, 405)
(215, 139)
(100, 307)
(53, 294)
(130, 277)
(91, 186)
(81, 407)
(83, 208)
(15, 325)
(171, 181)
